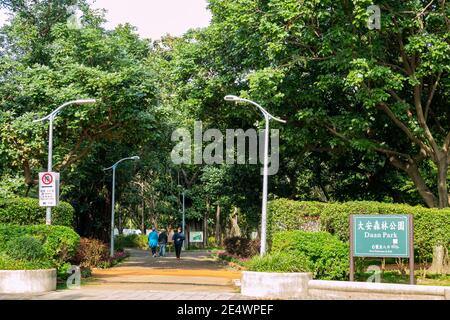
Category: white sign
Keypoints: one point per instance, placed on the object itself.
(48, 189)
(196, 236)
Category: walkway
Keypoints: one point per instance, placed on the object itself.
(141, 277)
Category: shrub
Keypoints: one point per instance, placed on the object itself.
(327, 254)
(58, 243)
(26, 211)
(90, 253)
(8, 263)
(431, 226)
(25, 248)
(240, 246)
(131, 241)
(280, 262)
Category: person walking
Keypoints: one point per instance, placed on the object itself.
(153, 241)
(178, 239)
(162, 239)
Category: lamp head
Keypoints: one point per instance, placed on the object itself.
(86, 101)
(135, 158)
(232, 98)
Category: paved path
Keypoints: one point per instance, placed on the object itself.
(141, 277)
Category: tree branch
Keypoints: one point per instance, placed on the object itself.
(430, 97)
(404, 128)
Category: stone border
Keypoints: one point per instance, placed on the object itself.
(275, 285)
(301, 286)
(27, 281)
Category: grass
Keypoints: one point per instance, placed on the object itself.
(397, 277)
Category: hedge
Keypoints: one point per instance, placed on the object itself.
(327, 255)
(26, 211)
(431, 226)
(59, 243)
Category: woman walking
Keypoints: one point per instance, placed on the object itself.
(178, 239)
(153, 241)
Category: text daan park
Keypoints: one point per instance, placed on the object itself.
(186, 153)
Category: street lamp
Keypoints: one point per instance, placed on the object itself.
(113, 167)
(51, 118)
(267, 117)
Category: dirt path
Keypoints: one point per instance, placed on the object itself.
(194, 268)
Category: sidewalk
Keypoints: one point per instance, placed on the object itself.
(141, 277)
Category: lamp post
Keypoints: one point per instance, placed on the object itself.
(183, 222)
(113, 167)
(51, 118)
(267, 117)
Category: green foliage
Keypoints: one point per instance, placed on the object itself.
(329, 256)
(26, 211)
(280, 262)
(431, 226)
(131, 241)
(91, 253)
(25, 248)
(58, 243)
(8, 263)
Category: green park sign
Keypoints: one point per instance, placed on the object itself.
(381, 236)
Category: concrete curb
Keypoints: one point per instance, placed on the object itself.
(27, 281)
(301, 286)
(275, 285)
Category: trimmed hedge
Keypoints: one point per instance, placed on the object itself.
(280, 262)
(327, 255)
(26, 211)
(131, 241)
(431, 226)
(58, 243)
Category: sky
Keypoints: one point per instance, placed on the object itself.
(153, 18)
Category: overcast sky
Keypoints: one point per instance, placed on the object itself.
(153, 18)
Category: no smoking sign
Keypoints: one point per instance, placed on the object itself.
(47, 178)
(48, 189)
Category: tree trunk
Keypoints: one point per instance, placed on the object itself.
(442, 182)
(205, 225)
(235, 230)
(413, 172)
(440, 263)
(218, 228)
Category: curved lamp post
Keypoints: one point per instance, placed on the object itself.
(51, 118)
(113, 167)
(267, 117)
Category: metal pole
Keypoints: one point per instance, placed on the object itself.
(352, 262)
(411, 249)
(48, 215)
(183, 225)
(265, 178)
(112, 210)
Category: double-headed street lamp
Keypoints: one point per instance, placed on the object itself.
(267, 117)
(113, 167)
(51, 118)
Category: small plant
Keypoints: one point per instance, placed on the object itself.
(91, 253)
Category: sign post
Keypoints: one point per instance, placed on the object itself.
(48, 189)
(382, 236)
